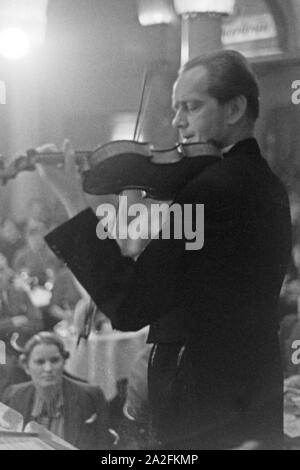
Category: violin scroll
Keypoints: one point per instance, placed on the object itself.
(28, 162)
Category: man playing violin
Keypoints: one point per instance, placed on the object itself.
(214, 375)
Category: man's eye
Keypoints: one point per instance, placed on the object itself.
(193, 105)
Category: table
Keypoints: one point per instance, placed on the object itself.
(104, 358)
(22, 441)
(33, 437)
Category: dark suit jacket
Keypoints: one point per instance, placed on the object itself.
(81, 404)
(222, 297)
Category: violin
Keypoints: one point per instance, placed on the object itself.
(128, 164)
(125, 164)
(159, 173)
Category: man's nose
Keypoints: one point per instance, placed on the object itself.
(179, 120)
(48, 366)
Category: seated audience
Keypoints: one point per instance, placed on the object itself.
(11, 239)
(289, 310)
(37, 210)
(65, 296)
(135, 427)
(35, 258)
(17, 314)
(295, 216)
(136, 405)
(73, 411)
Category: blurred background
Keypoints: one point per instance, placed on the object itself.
(74, 68)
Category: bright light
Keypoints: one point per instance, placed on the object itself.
(186, 7)
(123, 126)
(151, 18)
(14, 43)
(152, 12)
(28, 15)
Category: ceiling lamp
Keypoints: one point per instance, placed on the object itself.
(196, 7)
(151, 12)
(14, 43)
(22, 26)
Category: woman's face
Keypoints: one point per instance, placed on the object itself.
(45, 366)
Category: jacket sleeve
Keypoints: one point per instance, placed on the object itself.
(135, 294)
(111, 279)
(12, 397)
(97, 264)
(7, 395)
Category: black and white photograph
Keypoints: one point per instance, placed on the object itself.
(149, 227)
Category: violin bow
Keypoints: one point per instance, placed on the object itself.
(138, 118)
(88, 322)
(142, 119)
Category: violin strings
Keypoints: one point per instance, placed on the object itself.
(140, 105)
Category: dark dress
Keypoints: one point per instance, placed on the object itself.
(215, 376)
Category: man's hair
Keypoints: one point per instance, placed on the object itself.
(229, 76)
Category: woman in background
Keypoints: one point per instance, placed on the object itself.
(76, 412)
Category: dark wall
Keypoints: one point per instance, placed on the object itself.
(278, 128)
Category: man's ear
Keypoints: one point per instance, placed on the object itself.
(236, 110)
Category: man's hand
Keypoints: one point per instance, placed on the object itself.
(65, 181)
(143, 224)
(19, 321)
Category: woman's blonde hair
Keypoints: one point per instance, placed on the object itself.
(43, 337)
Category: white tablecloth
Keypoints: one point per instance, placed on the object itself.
(104, 358)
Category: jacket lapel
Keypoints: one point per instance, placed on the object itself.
(25, 405)
(28, 403)
(72, 413)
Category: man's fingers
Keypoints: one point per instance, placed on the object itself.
(65, 180)
(46, 148)
(70, 163)
(49, 171)
(69, 154)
